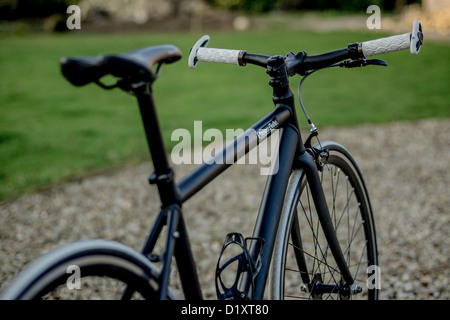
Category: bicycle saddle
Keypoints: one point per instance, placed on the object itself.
(135, 66)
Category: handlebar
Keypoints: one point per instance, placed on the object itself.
(303, 62)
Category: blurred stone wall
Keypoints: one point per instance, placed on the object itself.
(140, 11)
(433, 14)
(436, 15)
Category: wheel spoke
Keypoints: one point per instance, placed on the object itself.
(343, 191)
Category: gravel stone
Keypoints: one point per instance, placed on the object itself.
(405, 165)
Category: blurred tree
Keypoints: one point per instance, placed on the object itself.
(245, 5)
(18, 9)
(341, 5)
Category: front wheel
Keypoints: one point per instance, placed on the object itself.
(303, 266)
(86, 270)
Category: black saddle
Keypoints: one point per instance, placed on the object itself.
(135, 66)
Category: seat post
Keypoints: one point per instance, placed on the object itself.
(163, 175)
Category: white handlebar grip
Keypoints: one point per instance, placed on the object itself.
(385, 45)
(412, 41)
(201, 43)
(416, 37)
(218, 55)
(199, 52)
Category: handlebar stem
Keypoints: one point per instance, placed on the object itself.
(277, 69)
(294, 62)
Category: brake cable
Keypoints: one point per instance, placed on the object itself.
(312, 127)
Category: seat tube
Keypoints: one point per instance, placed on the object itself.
(163, 174)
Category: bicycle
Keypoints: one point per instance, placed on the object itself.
(314, 235)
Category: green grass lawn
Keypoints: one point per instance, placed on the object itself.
(51, 130)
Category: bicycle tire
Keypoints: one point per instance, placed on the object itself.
(298, 270)
(104, 267)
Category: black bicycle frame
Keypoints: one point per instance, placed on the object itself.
(291, 154)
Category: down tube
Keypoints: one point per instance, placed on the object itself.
(270, 209)
(209, 170)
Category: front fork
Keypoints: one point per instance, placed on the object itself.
(311, 160)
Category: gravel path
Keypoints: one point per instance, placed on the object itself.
(408, 182)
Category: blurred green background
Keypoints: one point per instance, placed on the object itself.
(51, 131)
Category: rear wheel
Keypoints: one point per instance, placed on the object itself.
(303, 266)
(87, 270)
